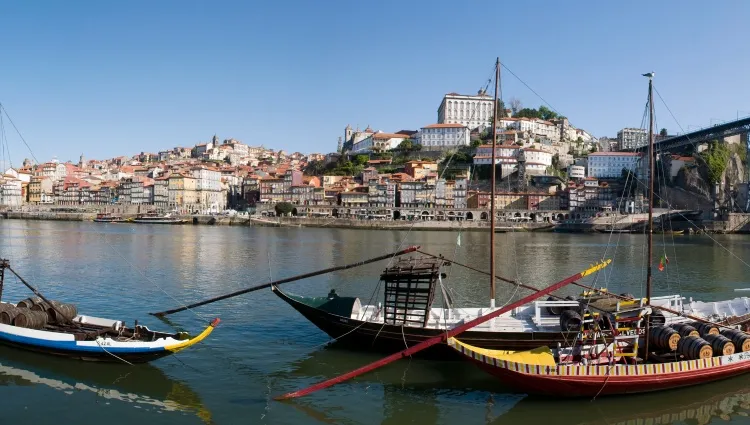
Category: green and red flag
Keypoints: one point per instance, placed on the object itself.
(663, 261)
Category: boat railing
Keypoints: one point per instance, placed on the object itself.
(673, 302)
(547, 320)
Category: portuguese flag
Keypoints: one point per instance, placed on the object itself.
(663, 261)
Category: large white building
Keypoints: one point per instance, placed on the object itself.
(536, 160)
(610, 164)
(535, 127)
(631, 138)
(471, 111)
(10, 191)
(378, 142)
(443, 136)
(208, 188)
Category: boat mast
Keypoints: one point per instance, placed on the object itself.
(651, 176)
(492, 190)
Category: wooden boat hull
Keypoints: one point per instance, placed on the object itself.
(65, 344)
(386, 338)
(596, 380)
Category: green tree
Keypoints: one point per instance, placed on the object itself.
(361, 159)
(716, 158)
(406, 145)
(663, 132)
(476, 143)
(546, 114)
(528, 113)
(315, 168)
(283, 208)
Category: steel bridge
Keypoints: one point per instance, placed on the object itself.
(685, 142)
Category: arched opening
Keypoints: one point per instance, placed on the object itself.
(484, 216)
(567, 216)
(560, 217)
(532, 216)
(469, 216)
(517, 215)
(294, 212)
(335, 212)
(396, 215)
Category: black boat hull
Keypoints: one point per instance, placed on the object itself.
(386, 338)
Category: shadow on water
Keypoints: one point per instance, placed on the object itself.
(143, 385)
(425, 386)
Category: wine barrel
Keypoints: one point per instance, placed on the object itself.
(570, 321)
(664, 337)
(705, 328)
(658, 319)
(721, 345)
(68, 310)
(684, 329)
(694, 348)
(28, 302)
(30, 319)
(740, 339)
(40, 306)
(7, 313)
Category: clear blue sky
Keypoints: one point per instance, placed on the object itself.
(116, 78)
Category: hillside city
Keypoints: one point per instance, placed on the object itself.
(543, 163)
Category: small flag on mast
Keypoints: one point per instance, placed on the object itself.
(663, 261)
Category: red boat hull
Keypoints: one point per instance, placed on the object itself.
(592, 386)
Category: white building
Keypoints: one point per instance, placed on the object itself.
(10, 192)
(470, 111)
(54, 170)
(577, 172)
(535, 127)
(208, 188)
(443, 136)
(536, 160)
(378, 142)
(611, 164)
(631, 138)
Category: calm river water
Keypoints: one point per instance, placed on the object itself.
(263, 348)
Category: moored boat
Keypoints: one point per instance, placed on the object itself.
(664, 358)
(156, 218)
(108, 217)
(50, 327)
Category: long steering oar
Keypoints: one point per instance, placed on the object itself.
(288, 279)
(443, 336)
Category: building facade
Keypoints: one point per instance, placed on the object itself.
(608, 165)
(443, 136)
(631, 138)
(470, 111)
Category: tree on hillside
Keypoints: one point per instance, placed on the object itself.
(406, 145)
(663, 132)
(547, 114)
(527, 113)
(314, 168)
(361, 159)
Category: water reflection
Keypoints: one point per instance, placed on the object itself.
(143, 385)
(425, 392)
(726, 400)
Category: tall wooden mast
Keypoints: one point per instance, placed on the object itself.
(492, 191)
(651, 176)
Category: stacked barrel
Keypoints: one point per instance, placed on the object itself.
(35, 313)
(698, 340)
